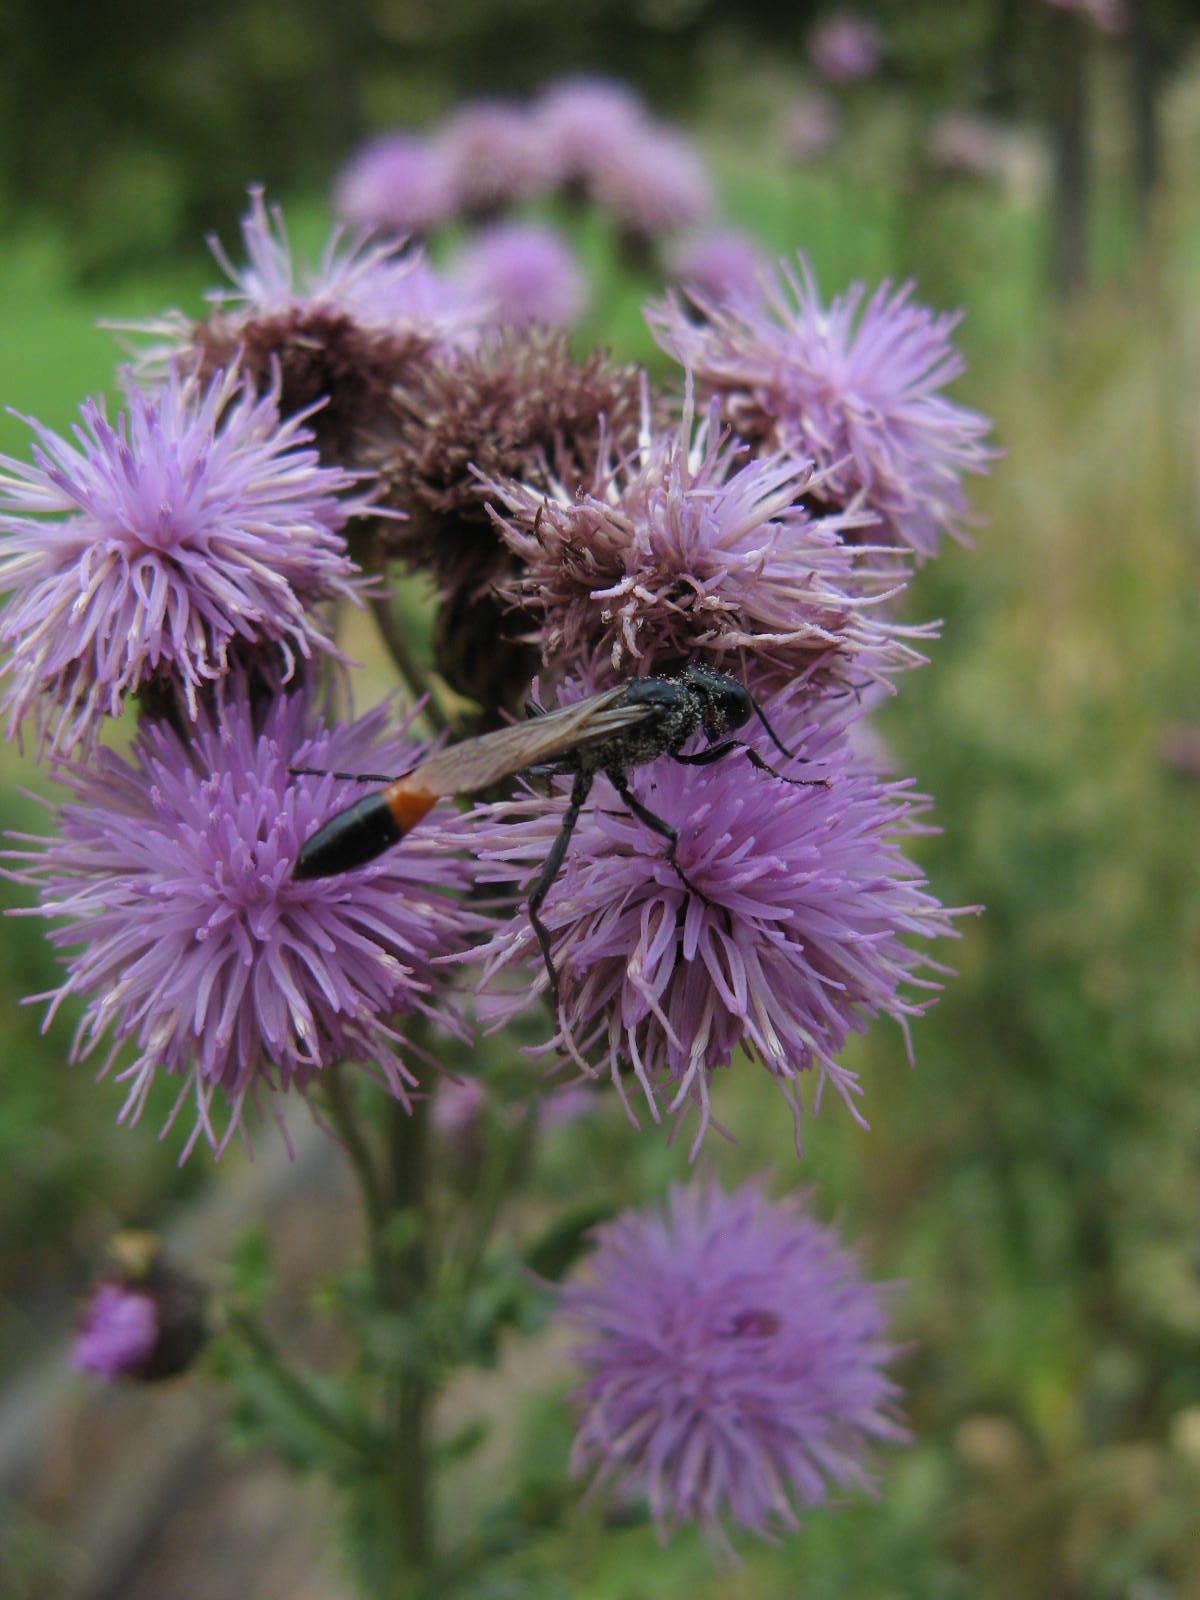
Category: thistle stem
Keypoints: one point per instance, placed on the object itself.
(411, 667)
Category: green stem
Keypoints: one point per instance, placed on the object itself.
(412, 1389)
(339, 1102)
(411, 667)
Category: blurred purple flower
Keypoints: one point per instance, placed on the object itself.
(520, 272)
(651, 182)
(145, 1322)
(844, 47)
(1111, 15)
(684, 546)
(118, 1333)
(968, 145)
(810, 126)
(581, 122)
(794, 937)
(171, 873)
(457, 1107)
(396, 183)
(493, 155)
(854, 387)
(721, 264)
(735, 1362)
(155, 548)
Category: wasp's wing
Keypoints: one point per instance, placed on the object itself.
(475, 764)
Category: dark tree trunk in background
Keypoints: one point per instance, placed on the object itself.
(1145, 86)
(1066, 101)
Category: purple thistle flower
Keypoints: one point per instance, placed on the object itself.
(651, 182)
(396, 184)
(340, 335)
(520, 272)
(375, 284)
(143, 1322)
(686, 546)
(493, 155)
(157, 548)
(810, 126)
(853, 386)
(719, 264)
(173, 874)
(735, 1362)
(962, 143)
(583, 122)
(118, 1333)
(794, 937)
(1110, 15)
(845, 48)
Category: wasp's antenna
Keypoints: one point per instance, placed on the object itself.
(351, 777)
(775, 739)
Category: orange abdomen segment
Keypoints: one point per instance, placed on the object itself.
(407, 803)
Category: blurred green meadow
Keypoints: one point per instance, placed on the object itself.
(1032, 1183)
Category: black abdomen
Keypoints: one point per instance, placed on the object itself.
(351, 839)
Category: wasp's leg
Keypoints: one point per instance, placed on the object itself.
(800, 783)
(705, 758)
(550, 871)
(660, 826)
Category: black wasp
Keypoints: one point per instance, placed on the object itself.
(609, 732)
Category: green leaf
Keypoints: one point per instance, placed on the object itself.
(556, 1249)
(253, 1271)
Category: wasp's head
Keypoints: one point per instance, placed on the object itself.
(724, 702)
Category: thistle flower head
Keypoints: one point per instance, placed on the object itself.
(343, 332)
(585, 122)
(734, 1361)
(493, 155)
(784, 928)
(143, 1325)
(159, 546)
(171, 877)
(395, 184)
(845, 47)
(118, 1332)
(517, 406)
(810, 126)
(853, 386)
(717, 264)
(684, 546)
(521, 272)
(650, 182)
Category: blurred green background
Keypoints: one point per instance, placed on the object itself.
(1035, 1181)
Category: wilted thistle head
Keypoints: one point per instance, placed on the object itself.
(687, 546)
(520, 272)
(195, 529)
(344, 331)
(796, 933)
(171, 877)
(518, 405)
(855, 388)
(734, 1360)
(396, 183)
